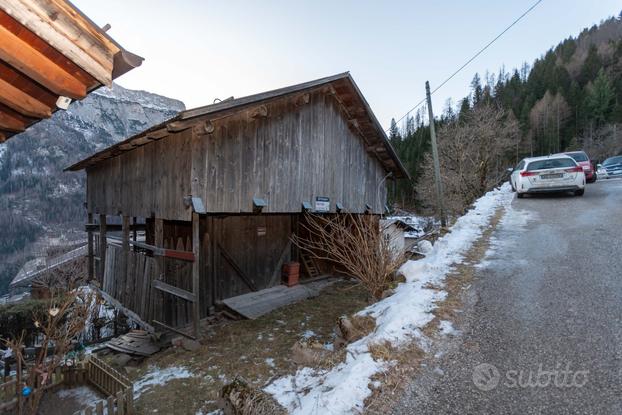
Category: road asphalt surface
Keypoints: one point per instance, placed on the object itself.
(541, 327)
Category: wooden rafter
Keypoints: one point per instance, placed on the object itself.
(68, 32)
(8, 122)
(21, 102)
(37, 66)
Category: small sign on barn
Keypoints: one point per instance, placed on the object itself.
(322, 204)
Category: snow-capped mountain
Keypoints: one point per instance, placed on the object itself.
(37, 198)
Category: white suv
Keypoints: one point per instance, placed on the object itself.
(557, 173)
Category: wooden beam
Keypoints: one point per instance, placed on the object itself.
(173, 329)
(158, 239)
(102, 248)
(37, 66)
(258, 112)
(236, 267)
(115, 228)
(68, 32)
(116, 304)
(158, 251)
(170, 289)
(91, 260)
(22, 102)
(196, 273)
(10, 123)
(125, 254)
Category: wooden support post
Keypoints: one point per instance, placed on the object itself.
(125, 256)
(91, 269)
(156, 312)
(196, 270)
(134, 232)
(102, 249)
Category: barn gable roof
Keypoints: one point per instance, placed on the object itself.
(360, 117)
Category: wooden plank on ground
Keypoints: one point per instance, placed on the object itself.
(256, 304)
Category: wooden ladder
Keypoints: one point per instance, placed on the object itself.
(309, 265)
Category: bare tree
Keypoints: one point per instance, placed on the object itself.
(474, 154)
(356, 244)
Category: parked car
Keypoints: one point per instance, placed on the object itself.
(613, 166)
(555, 173)
(584, 161)
(601, 172)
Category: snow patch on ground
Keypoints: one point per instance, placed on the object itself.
(157, 376)
(82, 394)
(399, 319)
(447, 328)
(308, 334)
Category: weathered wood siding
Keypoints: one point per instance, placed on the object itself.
(242, 254)
(151, 179)
(287, 158)
(291, 156)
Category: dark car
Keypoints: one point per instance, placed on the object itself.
(613, 165)
(584, 161)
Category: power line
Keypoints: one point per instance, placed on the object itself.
(472, 58)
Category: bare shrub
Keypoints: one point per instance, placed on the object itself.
(473, 155)
(355, 244)
(59, 323)
(63, 278)
(605, 142)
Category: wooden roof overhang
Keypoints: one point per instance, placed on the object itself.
(355, 108)
(50, 51)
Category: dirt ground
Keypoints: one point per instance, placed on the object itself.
(258, 350)
(68, 400)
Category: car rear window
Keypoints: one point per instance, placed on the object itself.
(612, 160)
(550, 164)
(579, 156)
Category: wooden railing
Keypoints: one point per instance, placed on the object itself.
(105, 378)
(102, 376)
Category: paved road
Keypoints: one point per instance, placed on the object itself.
(547, 303)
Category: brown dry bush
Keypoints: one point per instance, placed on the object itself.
(356, 244)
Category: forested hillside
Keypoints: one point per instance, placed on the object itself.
(569, 98)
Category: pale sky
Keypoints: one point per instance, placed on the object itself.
(197, 51)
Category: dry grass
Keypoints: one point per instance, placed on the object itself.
(392, 382)
(241, 348)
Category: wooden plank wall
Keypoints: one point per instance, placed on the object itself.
(256, 244)
(298, 152)
(255, 247)
(150, 180)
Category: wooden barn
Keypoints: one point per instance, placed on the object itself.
(206, 202)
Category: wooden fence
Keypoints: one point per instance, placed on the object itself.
(94, 371)
(149, 280)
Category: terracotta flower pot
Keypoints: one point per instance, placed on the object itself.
(291, 273)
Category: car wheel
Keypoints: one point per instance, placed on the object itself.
(520, 195)
(579, 192)
(512, 186)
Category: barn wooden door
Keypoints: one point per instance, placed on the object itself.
(248, 252)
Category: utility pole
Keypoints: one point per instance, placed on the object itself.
(437, 166)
